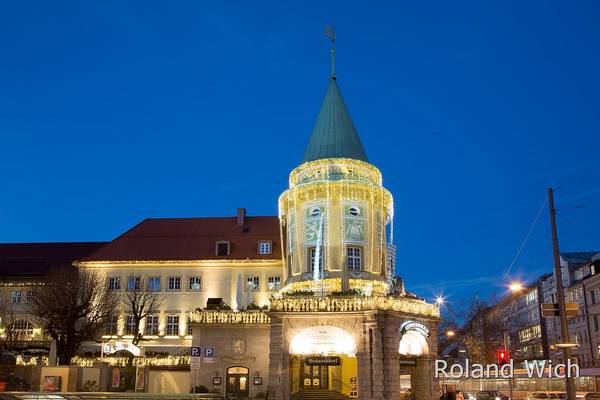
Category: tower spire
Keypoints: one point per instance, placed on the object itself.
(329, 32)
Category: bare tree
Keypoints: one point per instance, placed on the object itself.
(72, 306)
(139, 301)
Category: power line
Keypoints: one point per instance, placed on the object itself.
(533, 224)
(577, 227)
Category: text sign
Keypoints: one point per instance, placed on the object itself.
(322, 361)
(408, 362)
(196, 352)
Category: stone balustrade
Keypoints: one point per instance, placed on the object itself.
(230, 317)
(350, 304)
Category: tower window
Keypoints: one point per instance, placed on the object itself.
(264, 247)
(353, 258)
(222, 248)
(312, 254)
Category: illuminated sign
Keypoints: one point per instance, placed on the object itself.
(110, 348)
(323, 340)
(322, 361)
(414, 326)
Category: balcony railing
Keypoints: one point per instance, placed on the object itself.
(353, 304)
(230, 317)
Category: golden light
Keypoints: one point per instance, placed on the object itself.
(515, 287)
(450, 333)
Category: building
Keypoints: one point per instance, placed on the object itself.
(334, 326)
(575, 268)
(23, 266)
(305, 302)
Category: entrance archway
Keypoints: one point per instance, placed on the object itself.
(238, 381)
(413, 339)
(323, 358)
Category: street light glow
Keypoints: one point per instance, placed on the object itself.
(515, 287)
(450, 333)
(439, 300)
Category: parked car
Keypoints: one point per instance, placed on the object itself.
(491, 395)
(548, 396)
(592, 396)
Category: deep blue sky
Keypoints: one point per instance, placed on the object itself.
(114, 111)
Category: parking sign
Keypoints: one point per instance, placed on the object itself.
(209, 355)
(196, 352)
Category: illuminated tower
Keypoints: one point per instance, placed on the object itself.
(336, 216)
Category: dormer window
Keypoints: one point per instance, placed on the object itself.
(222, 248)
(264, 247)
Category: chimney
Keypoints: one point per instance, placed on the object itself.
(241, 216)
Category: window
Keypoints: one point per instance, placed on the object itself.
(173, 325)
(575, 295)
(596, 324)
(553, 298)
(274, 283)
(353, 259)
(174, 283)
(264, 247)
(189, 326)
(312, 253)
(222, 248)
(130, 328)
(592, 296)
(531, 297)
(530, 333)
(254, 283)
(111, 326)
(152, 325)
(133, 283)
(114, 283)
(154, 284)
(29, 296)
(22, 329)
(195, 283)
(17, 296)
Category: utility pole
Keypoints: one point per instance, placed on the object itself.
(560, 297)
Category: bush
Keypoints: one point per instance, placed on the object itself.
(199, 389)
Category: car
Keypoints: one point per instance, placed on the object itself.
(548, 396)
(592, 396)
(491, 395)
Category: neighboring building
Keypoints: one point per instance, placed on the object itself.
(186, 261)
(574, 268)
(22, 267)
(519, 324)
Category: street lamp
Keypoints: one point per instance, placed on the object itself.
(515, 287)
(439, 300)
(450, 334)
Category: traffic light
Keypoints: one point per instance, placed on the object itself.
(502, 357)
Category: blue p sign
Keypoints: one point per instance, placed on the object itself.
(196, 352)
(209, 352)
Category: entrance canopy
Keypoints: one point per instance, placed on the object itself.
(323, 340)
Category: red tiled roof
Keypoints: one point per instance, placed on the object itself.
(37, 259)
(192, 239)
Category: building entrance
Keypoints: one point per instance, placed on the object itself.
(237, 381)
(314, 376)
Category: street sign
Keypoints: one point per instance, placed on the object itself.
(196, 352)
(552, 310)
(572, 309)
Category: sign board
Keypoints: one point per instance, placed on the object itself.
(209, 355)
(408, 362)
(414, 326)
(196, 352)
(195, 362)
(110, 348)
(322, 360)
(553, 310)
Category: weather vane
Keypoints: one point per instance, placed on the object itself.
(331, 35)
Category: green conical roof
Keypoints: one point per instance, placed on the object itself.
(334, 135)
